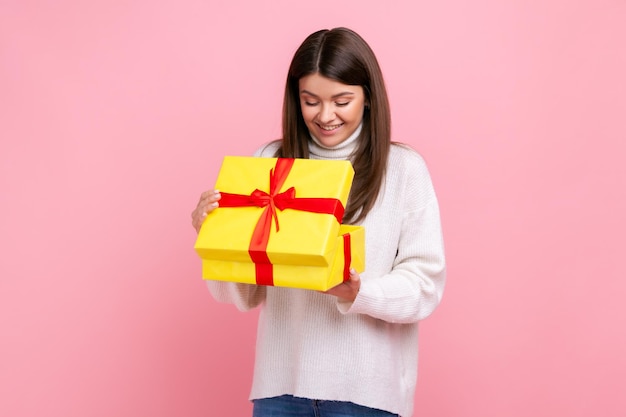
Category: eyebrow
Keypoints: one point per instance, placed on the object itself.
(342, 94)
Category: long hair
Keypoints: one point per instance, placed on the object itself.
(342, 55)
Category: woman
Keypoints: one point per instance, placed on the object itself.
(352, 350)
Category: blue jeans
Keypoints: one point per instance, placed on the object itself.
(289, 406)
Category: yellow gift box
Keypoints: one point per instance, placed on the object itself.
(279, 223)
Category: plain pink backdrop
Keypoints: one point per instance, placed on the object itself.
(114, 116)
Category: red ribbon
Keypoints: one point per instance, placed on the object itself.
(347, 256)
(270, 202)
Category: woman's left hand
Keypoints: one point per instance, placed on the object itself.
(347, 290)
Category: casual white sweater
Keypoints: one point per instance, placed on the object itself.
(312, 345)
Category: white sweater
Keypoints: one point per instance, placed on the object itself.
(311, 345)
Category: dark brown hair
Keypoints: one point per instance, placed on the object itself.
(342, 55)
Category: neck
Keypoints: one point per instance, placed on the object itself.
(342, 150)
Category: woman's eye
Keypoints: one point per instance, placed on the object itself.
(310, 103)
(342, 104)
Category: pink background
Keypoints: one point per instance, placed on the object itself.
(114, 116)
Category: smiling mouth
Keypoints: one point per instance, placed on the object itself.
(330, 128)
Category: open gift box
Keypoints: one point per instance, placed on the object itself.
(279, 223)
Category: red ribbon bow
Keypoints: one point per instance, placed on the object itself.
(270, 202)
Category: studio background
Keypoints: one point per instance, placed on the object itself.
(115, 115)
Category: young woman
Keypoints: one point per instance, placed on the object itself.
(350, 351)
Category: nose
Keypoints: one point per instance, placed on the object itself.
(327, 114)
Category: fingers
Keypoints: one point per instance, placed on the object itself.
(347, 290)
(207, 203)
(354, 281)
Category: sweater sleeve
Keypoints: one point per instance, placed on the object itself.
(244, 296)
(413, 288)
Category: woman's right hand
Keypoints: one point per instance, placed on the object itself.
(208, 202)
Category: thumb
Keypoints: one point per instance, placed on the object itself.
(354, 279)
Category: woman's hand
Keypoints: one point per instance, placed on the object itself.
(347, 290)
(208, 202)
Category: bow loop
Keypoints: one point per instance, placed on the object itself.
(283, 199)
(260, 198)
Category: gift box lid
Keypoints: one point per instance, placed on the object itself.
(298, 203)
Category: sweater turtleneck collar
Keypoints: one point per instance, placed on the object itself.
(342, 150)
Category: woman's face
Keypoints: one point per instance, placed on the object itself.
(331, 110)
